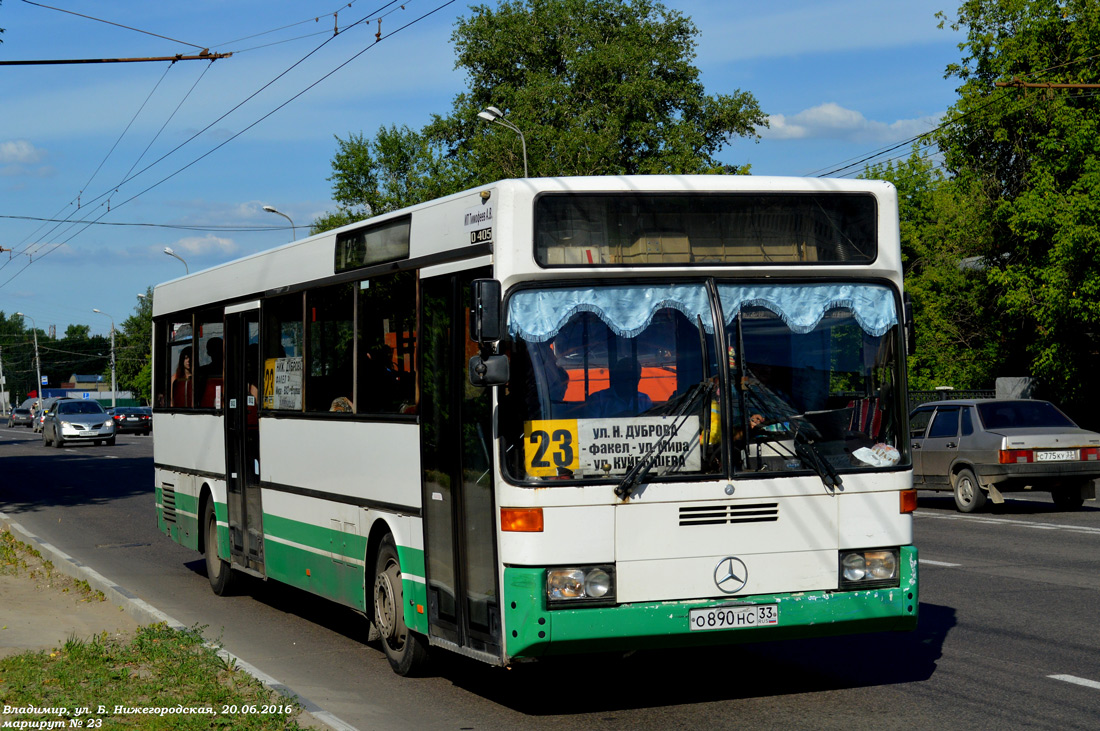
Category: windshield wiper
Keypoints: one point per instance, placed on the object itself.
(641, 468)
(811, 456)
(805, 449)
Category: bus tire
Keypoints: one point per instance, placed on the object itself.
(969, 496)
(407, 651)
(219, 572)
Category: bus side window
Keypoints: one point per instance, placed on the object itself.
(283, 344)
(386, 379)
(328, 367)
(209, 361)
(181, 365)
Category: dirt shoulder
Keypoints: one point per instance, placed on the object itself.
(40, 607)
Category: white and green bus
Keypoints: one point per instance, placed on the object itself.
(557, 415)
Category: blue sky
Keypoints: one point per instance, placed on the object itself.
(839, 79)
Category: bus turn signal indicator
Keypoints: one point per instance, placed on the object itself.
(521, 520)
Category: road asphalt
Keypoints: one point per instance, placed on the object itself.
(36, 614)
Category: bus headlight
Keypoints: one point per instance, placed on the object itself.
(580, 584)
(869, 569)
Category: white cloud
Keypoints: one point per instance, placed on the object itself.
(204, 245)
(832, 121)
(20, 152)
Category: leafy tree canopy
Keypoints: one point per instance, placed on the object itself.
(1031, 160)
(597, 87)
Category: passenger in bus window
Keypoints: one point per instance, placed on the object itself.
(210, 375)
(182, 384)
(622, 398)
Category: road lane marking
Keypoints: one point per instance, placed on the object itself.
(1076, 681)
(938, 563)
(1006, 522)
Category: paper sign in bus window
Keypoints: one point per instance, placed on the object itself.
(594, 447)
(283, 383)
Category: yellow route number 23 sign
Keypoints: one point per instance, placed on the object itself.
(551, 447)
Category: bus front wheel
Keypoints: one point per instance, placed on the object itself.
(407, 651)
(217, 571)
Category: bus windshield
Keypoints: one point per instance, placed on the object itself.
(795, 378)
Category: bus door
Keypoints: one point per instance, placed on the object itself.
(242, 438)
(457, 476)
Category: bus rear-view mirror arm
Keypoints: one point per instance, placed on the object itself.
(490, 370)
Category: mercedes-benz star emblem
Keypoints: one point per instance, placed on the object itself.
(731, 575)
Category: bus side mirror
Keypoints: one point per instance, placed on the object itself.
(910, 326)
(492, 370)
(485, 325)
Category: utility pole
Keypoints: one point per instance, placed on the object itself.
(204, 56)
(114, 383)
(37, 362)
(5, 399)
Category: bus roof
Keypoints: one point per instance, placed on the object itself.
(438, 227)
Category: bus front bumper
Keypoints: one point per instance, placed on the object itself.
(532, 630)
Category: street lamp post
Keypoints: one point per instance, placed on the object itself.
(293, 228)
(114, 383)
(169, 252)
(495, 116)
(37, 363)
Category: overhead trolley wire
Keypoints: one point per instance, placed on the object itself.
(117, 25)
(992, 98)
(307, 88)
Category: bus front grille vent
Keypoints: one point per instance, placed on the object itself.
(725, 514)
(168, 500)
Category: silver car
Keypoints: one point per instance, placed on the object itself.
(20, 417)
(981, 448)
(73, 420)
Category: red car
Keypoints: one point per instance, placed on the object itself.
(136, 419)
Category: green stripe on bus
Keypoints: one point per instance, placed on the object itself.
(315, 573)
(532, 630)
(344, 545)
(412, 561)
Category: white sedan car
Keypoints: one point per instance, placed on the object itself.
(73, 420)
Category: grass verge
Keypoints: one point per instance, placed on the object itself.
(160, 678)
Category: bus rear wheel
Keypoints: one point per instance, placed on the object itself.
(407, 651)
(218, 571)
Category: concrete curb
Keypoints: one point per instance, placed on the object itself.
(144, 613)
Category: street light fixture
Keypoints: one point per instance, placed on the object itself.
(37, 363)
(495, 116)
(169, 252)
(114, 383)
(293, 229)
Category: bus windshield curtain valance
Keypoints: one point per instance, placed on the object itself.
(802, 306)
(537, 315)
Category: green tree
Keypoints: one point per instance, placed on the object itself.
(598, 87)
(78, 332)
(133, 349)
(398, 168)
(942, 235)
(1031, 157)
